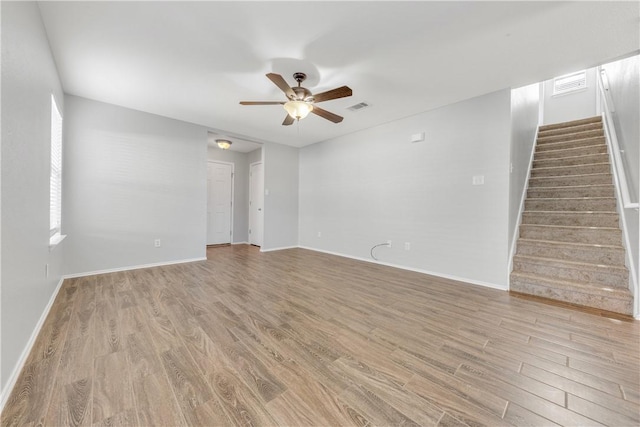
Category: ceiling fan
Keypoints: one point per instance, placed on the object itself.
(301, 101)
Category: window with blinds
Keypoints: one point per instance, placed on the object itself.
(570, 82)
(55, 177)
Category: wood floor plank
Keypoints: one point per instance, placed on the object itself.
(190, 389)
(555, 413)
(629, 409)
(71, 404)
(112, 392)
(296, 337)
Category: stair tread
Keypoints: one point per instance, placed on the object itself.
(589, 288)
(571, 166)
(571, 226)
(571, 129)
(566, 176)
(571, 123)
(575, 187)
(571, 198)
(571, 264)
(573, 212)
(571, 157)
(585, 147)
(574, 244)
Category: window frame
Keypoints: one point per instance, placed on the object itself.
(55, 174)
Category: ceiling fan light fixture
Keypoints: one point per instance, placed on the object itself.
(224, 144)
(298, 109)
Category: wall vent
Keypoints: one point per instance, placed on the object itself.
(359, 106)
(570, 82)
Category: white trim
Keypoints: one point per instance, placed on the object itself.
(516, 232)
(132, 267)
(416, 270)
(279, 249)
(239, 243)
(13, 378)
(55, 240)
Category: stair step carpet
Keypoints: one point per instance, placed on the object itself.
(570, 243)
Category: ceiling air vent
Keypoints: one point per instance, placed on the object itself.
(359, 106)
(570, 82)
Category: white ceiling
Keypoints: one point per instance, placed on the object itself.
(194, 61)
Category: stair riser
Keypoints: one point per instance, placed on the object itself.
(624, 306)
(564, 181)
(570, 144)
(569, 192)
(569, 136)
(617, 278)
(570, 129)
(571, 152)
(571, 170)
(598, 205)
(593, 236)
(595, 119)
(596, 255)
(571, 161)
(576, 220)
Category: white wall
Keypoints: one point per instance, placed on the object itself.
(281, 196)
(624, 81)
(131, 177)
(525, 103)
(570, 106)
(374, 185)
(240, 189)
(29, 77)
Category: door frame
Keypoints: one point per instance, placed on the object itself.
(259, 162)
(233, 197)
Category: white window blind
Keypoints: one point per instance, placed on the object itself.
(570, 82)
(55, 177)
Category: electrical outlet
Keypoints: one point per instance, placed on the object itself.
(389, 243)
(319, 233)
(46, 271)
(157, 243)
(407, 246)
(478, 180)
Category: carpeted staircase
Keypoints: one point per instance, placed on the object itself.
(570, 244)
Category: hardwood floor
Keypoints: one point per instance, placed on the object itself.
(299, 338)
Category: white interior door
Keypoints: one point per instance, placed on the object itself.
(256, 204)
(219, 202)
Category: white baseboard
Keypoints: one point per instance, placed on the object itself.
(13, 378)
(416, 270)
(278, 249)
(239, 243)
(132, 267)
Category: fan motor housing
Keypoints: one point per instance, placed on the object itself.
(303, 94)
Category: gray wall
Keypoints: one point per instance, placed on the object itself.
(29, 77)
(255, 156)
(240, 190)
(281, 174)
(570, 106)
(525, 103)
(131, 177)
(374, 185)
